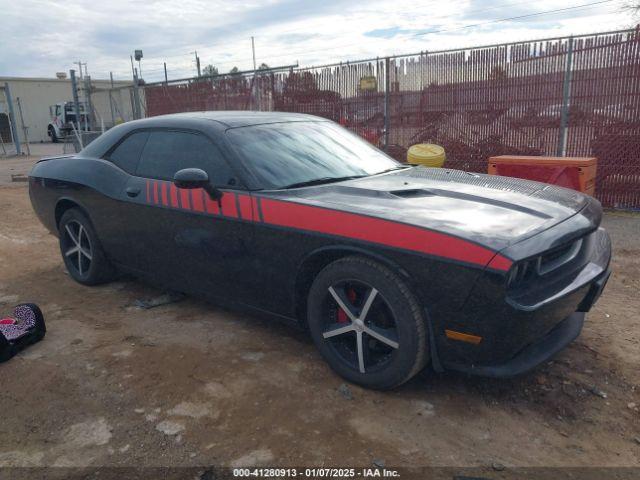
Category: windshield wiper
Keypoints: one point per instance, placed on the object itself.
(320, 181)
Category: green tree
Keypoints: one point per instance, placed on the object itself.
(303, 82)
(263, 66)
(234, 70)
(210, 70)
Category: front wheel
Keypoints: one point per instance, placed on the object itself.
(367, 324)
(52, 134)
(81, 251)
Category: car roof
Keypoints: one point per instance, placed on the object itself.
(212, 121)
(233, 118)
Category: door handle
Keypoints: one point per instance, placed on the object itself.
(132, 191)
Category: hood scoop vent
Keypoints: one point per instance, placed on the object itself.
(412, 193)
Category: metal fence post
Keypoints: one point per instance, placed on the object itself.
(387, 114)
(566, 94)
(25, 130)
(90, 114)
(113, 116)
(12, 119)
(136, 98)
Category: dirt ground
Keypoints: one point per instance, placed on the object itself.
(192, 384)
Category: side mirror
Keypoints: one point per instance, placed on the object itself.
(196, 178)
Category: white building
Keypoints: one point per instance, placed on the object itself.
(37, 94)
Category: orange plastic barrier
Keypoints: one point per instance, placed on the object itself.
(578, 173)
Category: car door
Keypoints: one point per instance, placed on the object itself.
(123, 227)
(181, 237)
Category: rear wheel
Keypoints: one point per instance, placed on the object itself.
(81, 251)
(367, 324)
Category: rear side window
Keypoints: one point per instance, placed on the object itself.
(127, 154)
(166, 152)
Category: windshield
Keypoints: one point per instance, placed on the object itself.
(291, 154)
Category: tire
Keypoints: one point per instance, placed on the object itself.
(87, 265)
(52, 134)
(393, 333)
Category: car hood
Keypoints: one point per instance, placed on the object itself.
(490, 210)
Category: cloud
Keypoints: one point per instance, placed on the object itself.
(386, 32)
(40, 37)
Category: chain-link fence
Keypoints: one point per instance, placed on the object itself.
(113, 106)
(574, 96)
(567, 97)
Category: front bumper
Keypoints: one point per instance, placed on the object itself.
(535, 354)
(519, 333)
(545, 348)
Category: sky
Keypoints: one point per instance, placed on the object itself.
(41, 37)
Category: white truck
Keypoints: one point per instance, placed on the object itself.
(63, 119)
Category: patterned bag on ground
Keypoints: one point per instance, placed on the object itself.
(20, 329)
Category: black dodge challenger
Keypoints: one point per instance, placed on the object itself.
(389, 266)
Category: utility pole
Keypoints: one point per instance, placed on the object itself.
(133, 73)
(165, 73)
(76, 103)
(253, 81)
(135, 107)
(197, 62)
(253, 51)
(136, 96)
(80, 64)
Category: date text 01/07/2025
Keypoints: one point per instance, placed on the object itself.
(316, 473)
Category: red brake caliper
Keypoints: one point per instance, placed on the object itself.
(342, 315)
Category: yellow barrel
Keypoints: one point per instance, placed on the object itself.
(426, 154)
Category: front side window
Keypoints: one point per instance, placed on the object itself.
(127, 154)
(282, 155)
(166, 152)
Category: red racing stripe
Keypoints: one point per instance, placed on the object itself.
(384, 232)
(173, 193)
(164, 193)
(245, 207)
(196, 200)
(148, 196)
(184, 199)
(211, 205)
(500, 263)
(256, 209)
(155, 192)
(228, 202)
